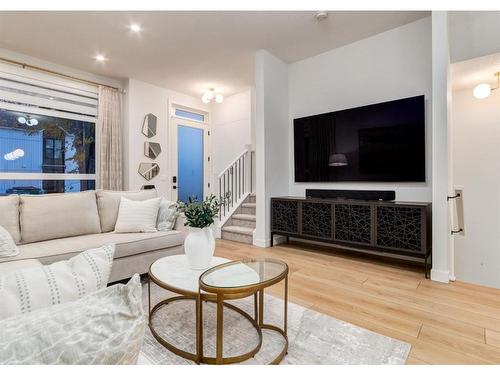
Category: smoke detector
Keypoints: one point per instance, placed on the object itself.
(321, 15)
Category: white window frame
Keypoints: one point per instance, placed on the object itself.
(192, 110)
(60, 84)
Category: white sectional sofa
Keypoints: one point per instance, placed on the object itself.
(53, 227)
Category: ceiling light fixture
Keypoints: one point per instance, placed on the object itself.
(210, 95)
(321, 16)
(101, 58)
(135, 28)
(483, 90)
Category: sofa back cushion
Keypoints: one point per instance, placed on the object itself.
(9, 216)
(108, 203)
(45, 217)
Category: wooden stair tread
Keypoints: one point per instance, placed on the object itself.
(238, 229)
(247, 217)
(249, 205)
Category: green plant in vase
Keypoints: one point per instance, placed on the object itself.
(199, 244)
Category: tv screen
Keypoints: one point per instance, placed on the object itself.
(378, 142)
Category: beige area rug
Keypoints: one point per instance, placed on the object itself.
(314, 338)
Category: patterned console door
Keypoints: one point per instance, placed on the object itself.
(400, 228)
(317, 220)
(353, 223)
(284, 216)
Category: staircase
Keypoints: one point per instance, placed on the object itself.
(241, 224)
(237, 216)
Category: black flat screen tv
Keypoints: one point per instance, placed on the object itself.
(375, 143)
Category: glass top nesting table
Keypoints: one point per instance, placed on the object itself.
(225, 280)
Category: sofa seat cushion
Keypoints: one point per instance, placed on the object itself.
(127, 244)
(9, 216)
(109, 204)
(49, 216)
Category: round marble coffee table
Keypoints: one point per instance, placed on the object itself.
(172, 273)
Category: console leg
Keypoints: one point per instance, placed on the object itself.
(426, 265)
(272, 240)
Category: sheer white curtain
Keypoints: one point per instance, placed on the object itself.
(110, 150)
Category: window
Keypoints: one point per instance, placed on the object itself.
(190, 115)
(48, 145)
(44, 186)
(47, 135)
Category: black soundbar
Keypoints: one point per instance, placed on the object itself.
(363, 195)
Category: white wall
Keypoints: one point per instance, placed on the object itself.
(391, 65)
(272, 138)
(22, 58)
(143, 98)
(231, 129)
(476, 140)
(441, 150)
(474, 34)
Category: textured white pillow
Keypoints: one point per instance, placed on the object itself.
(103, 328)
(167, 215)
(8, 247)
(137, 216)
(29, 289)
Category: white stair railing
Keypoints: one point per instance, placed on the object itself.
(236, 181)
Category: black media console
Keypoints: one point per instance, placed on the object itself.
(384, 228)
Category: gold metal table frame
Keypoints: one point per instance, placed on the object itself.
(219, 296)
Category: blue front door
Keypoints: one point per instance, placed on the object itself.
(190, 162)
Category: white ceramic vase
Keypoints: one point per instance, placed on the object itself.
(199, 247)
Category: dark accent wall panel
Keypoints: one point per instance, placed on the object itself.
(317, 219)
(353, 223)
(284, 216)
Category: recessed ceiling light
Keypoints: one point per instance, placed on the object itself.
(135, 27)
(100, 57)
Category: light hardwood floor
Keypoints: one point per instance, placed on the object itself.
(456, 323)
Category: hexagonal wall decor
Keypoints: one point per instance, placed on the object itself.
(149, 125)
(152, 149)
(149, 170)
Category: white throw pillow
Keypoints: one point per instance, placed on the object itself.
(137, 216)
(167, 215)
(29, 289)
(8, 247)
(103, 328)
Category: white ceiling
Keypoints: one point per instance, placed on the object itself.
(186, 51)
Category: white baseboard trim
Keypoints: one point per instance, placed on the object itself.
(279, 239)
(261, 242)
(267, 242)
(440, 276)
